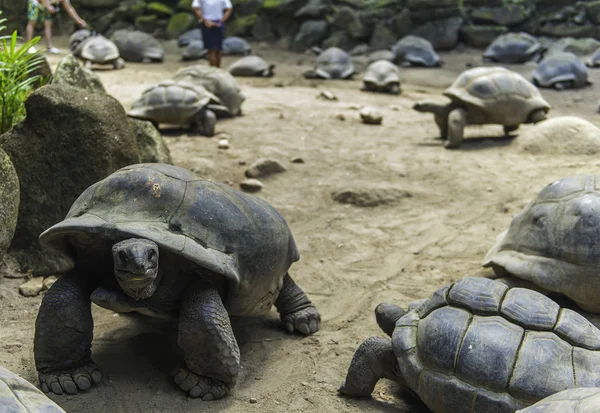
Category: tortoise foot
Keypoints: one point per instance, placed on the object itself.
(307, 321)
(70, 381)
(198, 386)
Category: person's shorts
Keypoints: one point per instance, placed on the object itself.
(36, 14)
(213, 37)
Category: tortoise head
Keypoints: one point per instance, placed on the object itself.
(136, 266)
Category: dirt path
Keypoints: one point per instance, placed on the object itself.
(352, 258)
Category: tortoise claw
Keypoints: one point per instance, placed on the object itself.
(70, 381)
(198, 386)
(307, 321)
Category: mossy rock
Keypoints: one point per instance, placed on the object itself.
(507, 15)
(185, 5)
(146, 24)
(159, 9)
(241, 26)
(180, 23)
(315, 9)
(9, 202)
(130, 10)
(340, 39)
(431, 4)
(70, 72)
(282, 7)
(480, 36)
(150, 143)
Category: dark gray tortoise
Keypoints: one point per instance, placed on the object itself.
(578, 400)
(234, 45)
(159, 240)
(382, 76)
(514, 48)
(478, 346)
(485, 95)
(332, 63)
(415, 51)
(17, 395)
(561, 70)
(553, 242)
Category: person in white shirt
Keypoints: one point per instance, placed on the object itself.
(213, 14)
(42, 11)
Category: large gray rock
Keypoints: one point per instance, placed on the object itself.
(9, 202)
(70, 72)
(480, 36)
(70, 139)
(401, 23)
(580, 47)
(340, 39)
(507, 15)
(382, 38)
(348, 20)
(311, 33)
(314, 9)
(95, 4)
(593, 11)
(442, 34)
(150, 143)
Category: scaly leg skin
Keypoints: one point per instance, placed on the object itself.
(442, 123)
(509, 129)
(212, 356)
(457, 120)
(296, 310)
(119, 302)
(63, 337)
(373, 360)
(208, 122)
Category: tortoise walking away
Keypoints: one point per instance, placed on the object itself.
(486, 95)
(17, 395)
(579, 400)
(553, 242)
(479, 346)
(159, 240)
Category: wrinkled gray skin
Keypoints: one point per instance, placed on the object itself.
(333, 63)
(579, 400)
(594, 59)
(194, 51)
(514, 48)
(236, 46)
(415, 51)
(167, 273)
(478, 346)
(187, 37)
(17, 395)
(137, 46)
(561, 71)
(252, 66)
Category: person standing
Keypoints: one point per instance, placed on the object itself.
(43, 11)
(212, 14)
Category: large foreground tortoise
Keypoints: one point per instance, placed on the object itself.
(159, 240)
(486, 95)
(17, 395)
(578, 400)
(479, 346)
(554, 242)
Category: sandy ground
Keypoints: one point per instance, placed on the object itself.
(352, 258)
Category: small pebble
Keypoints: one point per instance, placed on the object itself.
(264, 167)
(340, 116)
(48, 281)
(371, 116)
(241, 162)
(223, 144)
(253, 400)
(297, 159)
(396, 108)
(251, 185)
(32, 287)
(281, 115)
(327, 95)
(354, 107)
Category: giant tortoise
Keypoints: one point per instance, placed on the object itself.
(415, 51)
(252, 66)
(561, 70)
(332, 63)
(554, 241)
(577, 400)
(17, 395)
(95, 49)
(514, 48)
(178, 103)
(486, 95)
(137, 46)
(382, 76)
(479, 346)
(159, 240)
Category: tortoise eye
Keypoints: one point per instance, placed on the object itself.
(151, 254)
(123, 256)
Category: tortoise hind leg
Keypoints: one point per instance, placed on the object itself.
(373, 360)
(296, 310)
(457, 120)
(63, 337)
(212, 355)
(509, 129)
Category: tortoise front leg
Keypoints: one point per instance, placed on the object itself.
(441, 120)
(373, 360)
(63, 337)
(296, 310)
(212, 356)
(457, 120)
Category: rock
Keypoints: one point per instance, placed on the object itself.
(340, 116)
(297, 159)
(548, 137)
(507, 15)
(201, 166)
(159, 9)
(261, 30)
(70, 72)
(593, 11)
(48, 281)
(129, 10)
(327, 95)
(251, 185)
(223, 144)
(44, 71)
(179, 23)
(443, 34)
(70, 139)
(10, 268)
(32, 287)
(242, 26)
(97, 4)
(401, 24)
(382, 37)
(252, 400)
(339, 39)
(264, 167)
(580, 47)
(281, 7)
(370, 196)
(349, 21)
(359, 50)
(185, 5)
(146, 24)
(9, 202)
(420, 17)
(431, 4)
(480, 36)
(314, 9)
(150, 143)
(370, 116)
(311, 33)
(569, 30)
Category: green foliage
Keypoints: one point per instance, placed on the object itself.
(17, 77)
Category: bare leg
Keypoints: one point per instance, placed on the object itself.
(212, 58)
(296, 311)
(457, 120)
(29, 30)
(63, 337)
(217, 58)
(212, 356)
(48, 33)
(373, 360)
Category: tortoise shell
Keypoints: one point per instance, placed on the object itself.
(234, 45)
(225, 231)
(97, 49)
(250, 66)
(382, 73)
(17, 395)
(479, 346)
(415, 50)
(513, 48)
(137, 46)
(561, 67)
(578, 400)
(504, 96)
(334, 63)
(554, 241)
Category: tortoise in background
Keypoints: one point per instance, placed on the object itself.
(333, 63)
(137, 46)
(95, 49)
(478, 346)
(486, 95)
(514, 48)
(159, 240)
(415, 51)
(253, 66)
(561, 70)
(17, 395)
(382, 76)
